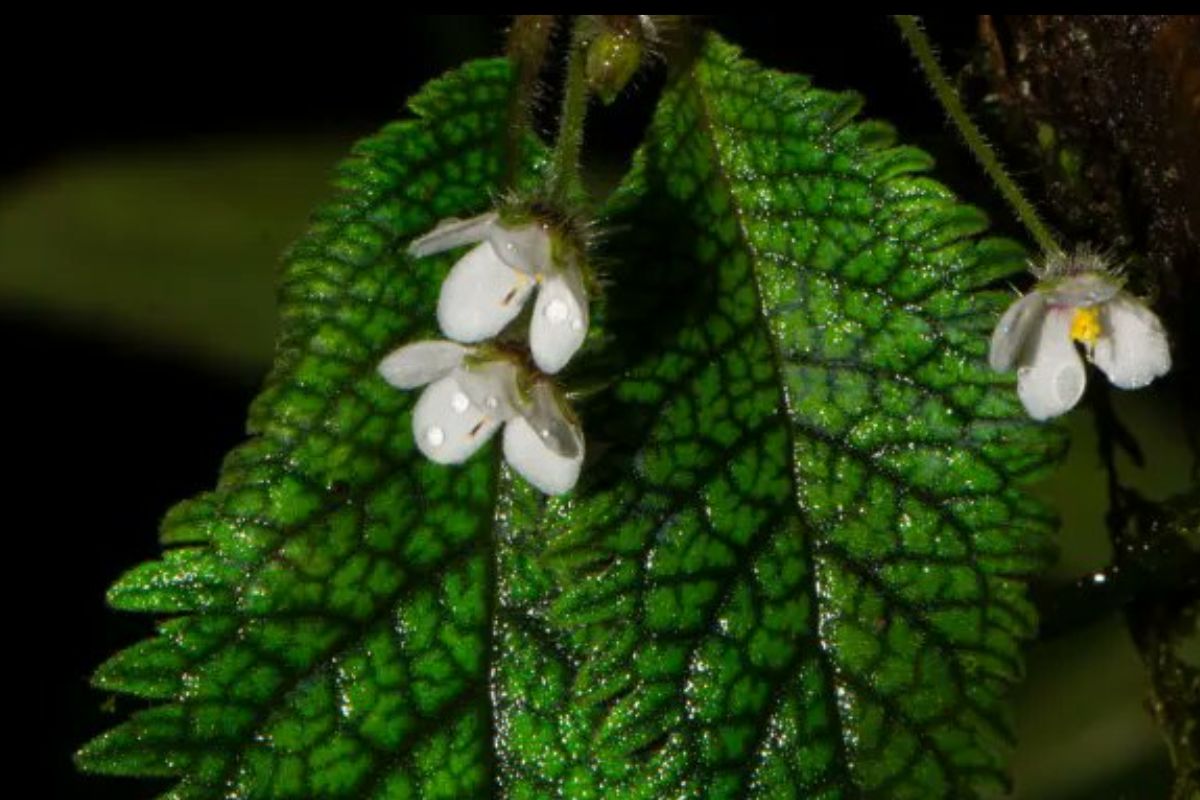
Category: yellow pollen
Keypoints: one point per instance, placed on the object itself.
(1085, 325)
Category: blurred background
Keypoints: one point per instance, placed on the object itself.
(152, 173)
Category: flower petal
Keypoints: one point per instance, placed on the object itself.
(1052, 377)
(1133, 348)
(525, 247)
(560, 320)
(492, 386)
(481, 295)
(1013, 329)
(528, 454)
(451, 233)
(419, 363)
(448, 427)
(545, 416)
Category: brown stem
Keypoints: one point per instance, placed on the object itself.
(528, 43)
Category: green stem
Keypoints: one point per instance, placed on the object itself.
(914, 34)
(564, 175)
(528, 41)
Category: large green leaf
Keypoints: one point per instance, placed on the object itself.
(793, 566)
(333, 593)
(798, 570)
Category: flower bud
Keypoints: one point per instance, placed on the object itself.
(613, 56)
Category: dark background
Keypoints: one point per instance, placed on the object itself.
(112, 428)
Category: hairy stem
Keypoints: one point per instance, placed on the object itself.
(918, 42)
(564, 176)
(528, 41)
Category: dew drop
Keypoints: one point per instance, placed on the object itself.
(435, 436)
(492, 402)
(557, 311)
(459, 402)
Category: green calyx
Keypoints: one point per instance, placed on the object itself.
(566, 229)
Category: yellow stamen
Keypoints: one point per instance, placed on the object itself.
(1085, 325)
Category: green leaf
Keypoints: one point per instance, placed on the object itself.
(175, 248)
(799, 570)
(332, 595)
(794, 565)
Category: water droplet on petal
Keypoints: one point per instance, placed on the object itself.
(557, 311)
(460, 402)
(435, 436)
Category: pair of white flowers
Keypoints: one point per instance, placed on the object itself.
(475, 388)
(1077, 300)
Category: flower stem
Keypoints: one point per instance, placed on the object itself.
(918, 42)
(528, 41)
(564, 176)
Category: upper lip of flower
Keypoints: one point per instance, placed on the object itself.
(489, 285)
(1037, 333)
(1084, 289)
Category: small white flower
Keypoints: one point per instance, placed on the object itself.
(1077, 302)
(469, 396)
(489, 285)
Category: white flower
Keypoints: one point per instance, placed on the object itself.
(489, 285)
(470, 395)
(1037, 334)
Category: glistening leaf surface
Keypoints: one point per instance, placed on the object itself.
(332, 596)
(798, 570)
(793, 566)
